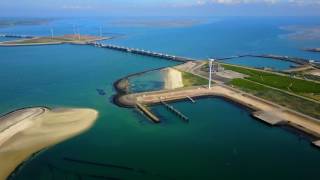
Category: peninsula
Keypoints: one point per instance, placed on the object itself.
(275, 98)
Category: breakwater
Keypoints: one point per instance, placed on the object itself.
(312, 49)
(16, 36)
(142, 52)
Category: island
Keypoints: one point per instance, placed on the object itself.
(51, 40)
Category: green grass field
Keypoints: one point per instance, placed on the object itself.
(193, 80)
(306, 107)
(298, 86)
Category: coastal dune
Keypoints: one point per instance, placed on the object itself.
(26, 131)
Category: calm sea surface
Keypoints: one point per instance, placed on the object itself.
(222, 140)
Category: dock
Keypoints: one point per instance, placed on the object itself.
(175, 111)
(148, 113)
(267, 117)
(316, 143)
(142, 52)
(192, 100)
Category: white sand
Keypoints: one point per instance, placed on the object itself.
(36, 128)
(315, 72)
(172, 78)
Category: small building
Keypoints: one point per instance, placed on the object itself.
(217, 67)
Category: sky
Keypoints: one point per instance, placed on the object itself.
(51, 8)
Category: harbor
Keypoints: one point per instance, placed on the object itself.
(266, 111)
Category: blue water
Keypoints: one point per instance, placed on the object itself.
(222, 37)
(222, 140)
(149, 81)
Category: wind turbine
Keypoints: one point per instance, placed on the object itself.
(100, 31)
(79, 35)
(210, 71)
(74, 31)
(51, 33)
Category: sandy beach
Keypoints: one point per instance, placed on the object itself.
(26, 131)
(172, 78)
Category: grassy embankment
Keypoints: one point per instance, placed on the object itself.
(192, 80)
(292, 85)
(297, 86)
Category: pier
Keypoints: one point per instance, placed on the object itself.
(192, 100)
(148, 113)
(142, 52)
(175, 111)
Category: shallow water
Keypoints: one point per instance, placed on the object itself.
(149, 81)
(221, 141)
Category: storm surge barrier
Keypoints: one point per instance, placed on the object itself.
(142, 52)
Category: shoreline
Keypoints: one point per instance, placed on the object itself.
(267, 112)
(29, 130)
(75, 42)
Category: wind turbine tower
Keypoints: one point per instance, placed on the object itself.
(100, 31)
(51, 33)
(210, 71)
(79, 35)
(74, 31)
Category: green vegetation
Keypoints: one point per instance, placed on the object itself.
(193, 80)
(306, 107)
(49, 40)
(286, 83)
(38, 40)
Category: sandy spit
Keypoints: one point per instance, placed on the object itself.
(26, 131)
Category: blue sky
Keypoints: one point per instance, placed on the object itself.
(159, 7)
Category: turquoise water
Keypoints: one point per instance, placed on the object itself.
(149, 81)
(222, 140)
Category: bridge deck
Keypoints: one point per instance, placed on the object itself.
(143, 52)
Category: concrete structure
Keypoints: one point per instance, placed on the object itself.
(266, 111)
(210, 71)
(148, 113)
(142, 52)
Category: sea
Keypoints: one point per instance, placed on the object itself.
(221, 139)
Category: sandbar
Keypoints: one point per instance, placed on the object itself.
(26, 131)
